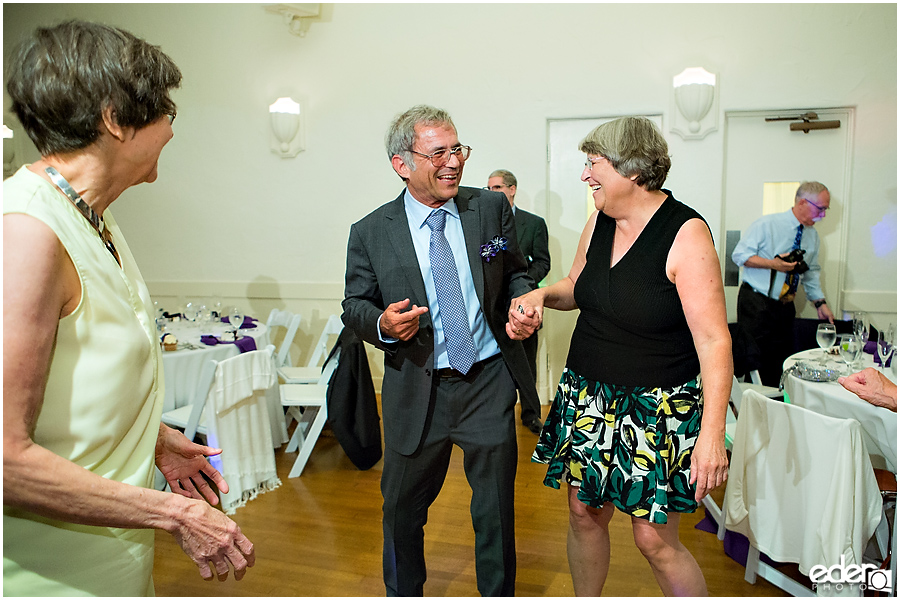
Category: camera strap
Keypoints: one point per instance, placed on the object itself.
(792, 279)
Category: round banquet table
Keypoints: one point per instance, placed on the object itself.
(182, 367)
(879, 425)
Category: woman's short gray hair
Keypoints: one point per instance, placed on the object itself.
(633, 146)
(63, 77)
(401, 135)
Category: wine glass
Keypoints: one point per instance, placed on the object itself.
(825, 336)
(158, 312)
(192, 311)
(236, 318)
(861, 326)
(886, 345)
(851, 348)
(217, 307)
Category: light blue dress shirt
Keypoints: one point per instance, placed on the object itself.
(416, 213)
(774, 234)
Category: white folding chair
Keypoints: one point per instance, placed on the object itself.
(189, 418)
(312, 371)
(291, 322)
(756, 385)
(801, 488)
(312, 398)
(233, 414)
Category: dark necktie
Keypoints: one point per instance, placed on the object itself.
(792, 280)
(460, 345)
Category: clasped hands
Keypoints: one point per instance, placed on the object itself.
(525, 316)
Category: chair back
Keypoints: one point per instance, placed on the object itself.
(291, 323)
(333, 326)
(237, 421)
(198, 402)
(329, 367)
(801, 486)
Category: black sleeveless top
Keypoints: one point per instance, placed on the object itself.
(632, 330)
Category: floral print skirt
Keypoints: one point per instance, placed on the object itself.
(627, 445)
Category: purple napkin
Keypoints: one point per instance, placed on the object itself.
(245, 344)
(247, 324)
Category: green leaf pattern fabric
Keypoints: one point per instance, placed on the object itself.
(627, 445)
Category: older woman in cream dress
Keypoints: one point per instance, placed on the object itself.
(82, 377)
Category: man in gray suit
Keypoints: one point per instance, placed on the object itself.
(430, 279)
(531, 232)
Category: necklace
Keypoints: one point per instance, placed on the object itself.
(86, 211)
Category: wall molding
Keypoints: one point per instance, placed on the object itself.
(873, 302)
(261, 290)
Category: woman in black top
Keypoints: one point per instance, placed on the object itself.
(632, 426)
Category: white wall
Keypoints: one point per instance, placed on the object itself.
(228, 217)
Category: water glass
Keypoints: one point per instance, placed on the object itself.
(851, 348)
(825, 336)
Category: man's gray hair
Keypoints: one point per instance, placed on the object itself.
(401, 135)
(809, 189)
(509, 179)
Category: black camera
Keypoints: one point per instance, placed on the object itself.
(796, 256)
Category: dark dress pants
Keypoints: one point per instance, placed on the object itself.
(477, 414)
(771, 323)
(531, 408)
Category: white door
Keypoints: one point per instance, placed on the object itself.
(759, 152)
(569, 203)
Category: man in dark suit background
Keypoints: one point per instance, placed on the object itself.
(532, 235)
(451, 367)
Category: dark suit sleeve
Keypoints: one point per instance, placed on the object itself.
(540, 254)
(363, 303)
(519, 282)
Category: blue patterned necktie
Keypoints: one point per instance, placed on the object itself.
(460, 345)
(792, 280)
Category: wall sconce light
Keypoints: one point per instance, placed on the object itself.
(287, 133)
(695, 102)
(296, 16)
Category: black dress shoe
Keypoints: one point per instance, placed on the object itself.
(534, 425)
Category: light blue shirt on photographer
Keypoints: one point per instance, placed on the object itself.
(774, 234)
(416, 214)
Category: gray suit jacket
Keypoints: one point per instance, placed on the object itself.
(382, 268)
(533, 242)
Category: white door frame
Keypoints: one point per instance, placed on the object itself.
(848, 120)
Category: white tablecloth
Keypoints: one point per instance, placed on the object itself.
(182, 367)
(830, 398)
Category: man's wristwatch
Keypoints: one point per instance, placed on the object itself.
(819, 303)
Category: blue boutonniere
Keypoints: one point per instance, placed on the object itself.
(490, 250)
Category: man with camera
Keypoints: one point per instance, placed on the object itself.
(778, 252)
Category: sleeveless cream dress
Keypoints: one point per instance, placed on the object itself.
(101, 410)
